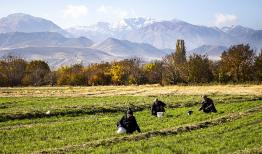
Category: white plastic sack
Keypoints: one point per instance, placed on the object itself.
(160, 114)
(121, 130)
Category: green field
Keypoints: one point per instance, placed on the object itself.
(87, 124)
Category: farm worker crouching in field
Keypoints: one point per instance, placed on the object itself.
(128, 123)
(207, 105)
(158, 108)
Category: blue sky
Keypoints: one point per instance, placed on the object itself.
(67, 13)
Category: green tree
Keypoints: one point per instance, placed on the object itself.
(3, 75)
(63, 75)
(133, 68)
(153, 72)
(175, 65)
(237, 63)
(199, 69)
(77, 75)
(13, 69)
(170, 74)
(99, 74)
(36, 73)
(74, 75)
(258, 67)
(180, 54)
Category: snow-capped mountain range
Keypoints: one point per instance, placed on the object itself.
(163, 34)
(33, 37)
(103, 30)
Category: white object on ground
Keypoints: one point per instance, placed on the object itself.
(48, 112)
(121, 130)
(189, 112)
(160, 114)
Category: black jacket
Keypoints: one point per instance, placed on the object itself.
(208, 106)
(129, 124)
(158, 106)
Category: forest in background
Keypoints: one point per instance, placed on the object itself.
(239, 64)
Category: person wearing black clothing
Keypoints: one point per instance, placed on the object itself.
(128, 122)
(207, 105)
(158, 106)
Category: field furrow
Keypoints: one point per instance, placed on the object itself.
(12, 110)
(83, 120)
(163, 132)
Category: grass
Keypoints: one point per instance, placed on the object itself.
(34, 107)
(62, 131)
(235, 136)
(75, 121)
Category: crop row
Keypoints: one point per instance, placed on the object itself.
(239, 136)
(29, 108)
(165, 132)
(24, 136)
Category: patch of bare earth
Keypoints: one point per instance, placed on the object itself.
(144, 90)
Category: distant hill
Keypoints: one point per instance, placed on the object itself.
(124, 48)
(33, 37)
(43, 39)
(59, 51)
(60, 56)
(213, 52)
(20, 22)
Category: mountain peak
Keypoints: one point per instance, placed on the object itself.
(177, 21)
(19, 15)
(21, 22)
(139, 20)
(226, 29)
(236, 28)
(133, 23)
(242, 28)
(112, 40)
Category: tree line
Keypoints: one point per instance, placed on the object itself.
(239, 64)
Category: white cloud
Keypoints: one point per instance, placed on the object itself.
(225, 19)
(102, 9)
(75, 11)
